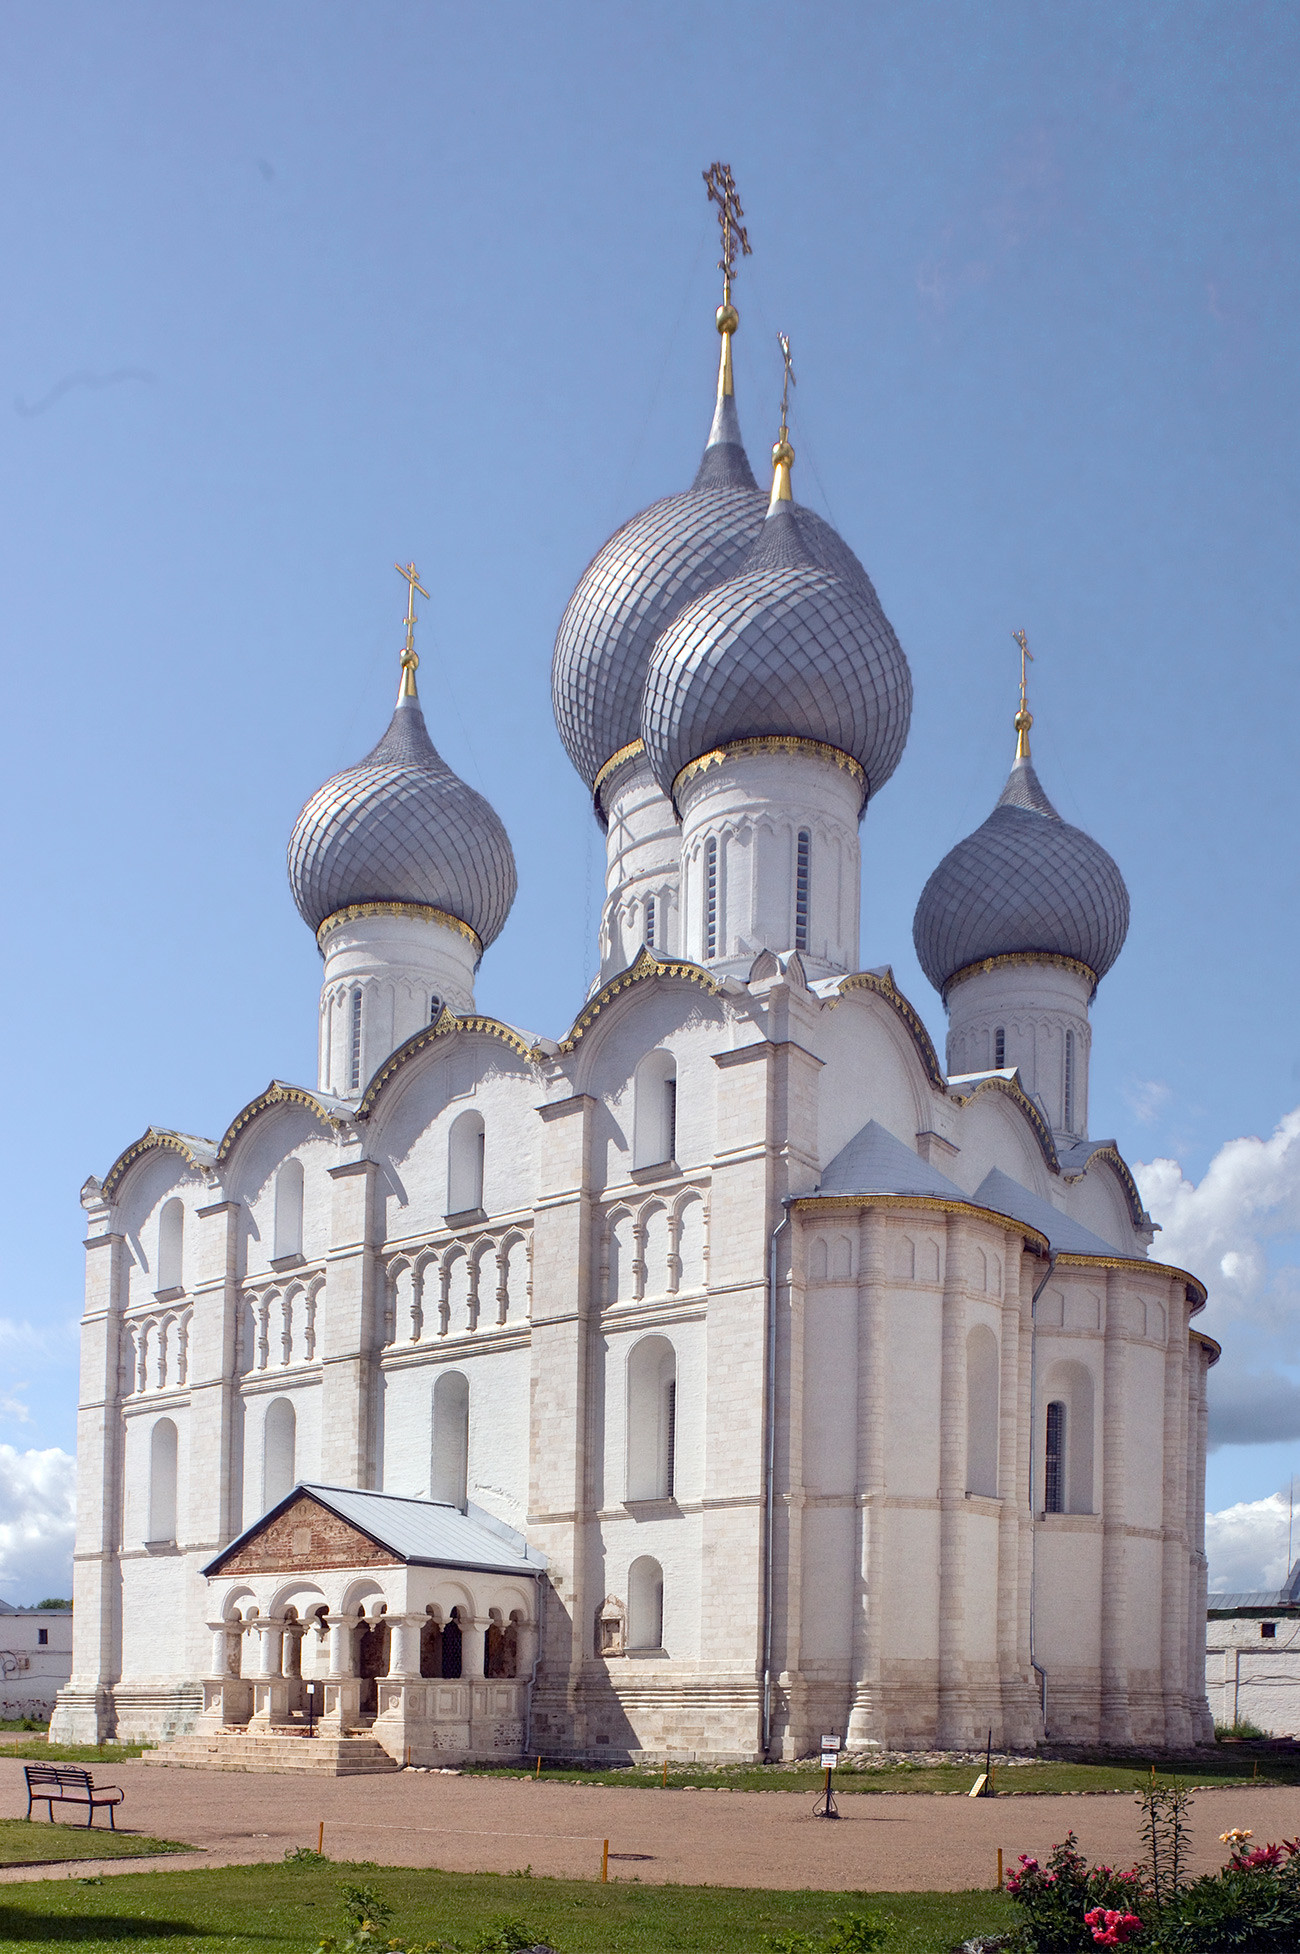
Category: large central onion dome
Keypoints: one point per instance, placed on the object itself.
(794, 645)
(1025, 883)
(649, 571)
(401, 827)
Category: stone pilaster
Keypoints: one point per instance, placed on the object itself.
(349, 1420)
(216, 1491)
(867, 1722)
(1115, 1721)
(1175, 1596)
(953, 1695)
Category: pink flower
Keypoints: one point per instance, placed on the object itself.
(1112, 1929)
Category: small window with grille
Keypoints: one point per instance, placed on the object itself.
(711, 898)
(1054, 1477)
(650, 922)
(354, 1067)
(999, 1048)
(802, 888)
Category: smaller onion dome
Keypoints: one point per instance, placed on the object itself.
(794, 645)
(1025, 883)
(401, 827)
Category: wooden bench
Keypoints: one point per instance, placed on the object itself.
(67, 1784)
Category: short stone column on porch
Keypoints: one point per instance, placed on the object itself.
(227, 1697)
(270, 1685)
(342, 1692)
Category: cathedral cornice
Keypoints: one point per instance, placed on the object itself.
(1016, 1093)
(195, 1152)
(446, 1025)
(788, 743)
(330, 1113)
(815, 1204)
(1215, 1349)
(420, 911)
(884, 987)
(645, 967)
(1012, 957)
(1138, 1265)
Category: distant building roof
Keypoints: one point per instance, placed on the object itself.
(422, 1532)
(1260, 1600)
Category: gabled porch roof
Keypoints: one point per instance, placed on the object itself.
(420, 1532)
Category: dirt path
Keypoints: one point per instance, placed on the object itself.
(893, 1843)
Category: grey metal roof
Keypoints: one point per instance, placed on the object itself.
(788, 645)
(422, 1532)
(876, 1162)
(645, 575)
(1261, 1600)
(1024, 881)
(400, 826)
(1067, 1237)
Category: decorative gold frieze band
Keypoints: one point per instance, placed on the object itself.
(985, 964)
(632, 751)
(772, 743)
(645, 965)
(421, 911)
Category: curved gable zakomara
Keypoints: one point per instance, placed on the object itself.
(398, 1068)
(1000, 1126)
(198, 1154)
(1105, 1185)
(875, 1065)
(623, 997)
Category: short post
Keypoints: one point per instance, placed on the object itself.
(320, 1839)
(604, 1864)
(311, 1707)
(665, 1774)
(998, 1887)
(538, 1772)
(826, 1806)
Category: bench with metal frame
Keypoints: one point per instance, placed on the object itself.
(67, 1784)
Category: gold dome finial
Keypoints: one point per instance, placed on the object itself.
(1024, 718)
(410, 656)
(783, 453)
(721, 186)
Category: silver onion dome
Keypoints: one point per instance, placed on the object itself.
(400, 826)
(1025, 882)
(795, 644)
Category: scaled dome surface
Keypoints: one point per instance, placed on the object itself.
(644, 576)
(400, 826)
(795, 644)
(1024, 882)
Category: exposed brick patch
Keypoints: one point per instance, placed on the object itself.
(304, 1538)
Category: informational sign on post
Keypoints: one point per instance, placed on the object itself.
(830, 1759)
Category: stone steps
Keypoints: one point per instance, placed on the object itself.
(324, 1755)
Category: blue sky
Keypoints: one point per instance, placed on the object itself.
(294, 290)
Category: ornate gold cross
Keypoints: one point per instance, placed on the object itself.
(1024, 718)
(410, 656)
(721, 186)
(783, 341)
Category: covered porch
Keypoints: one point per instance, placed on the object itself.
(343, 1613)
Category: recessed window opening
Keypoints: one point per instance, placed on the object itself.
(162, 1481)
(171, 1236)
(452, 1647)
(999, 1048)
(449, 1474)
(645, 1604)
(288, 1209)
(711, 898)
(354, 1063)
(42, 1636)
(279, 1452)
(982, 1411)
(1069, 1082)
(654, 1110)
(1054, 1474)
(650, 922)
(435, 1008)
(652, 1420)
(465, 1158)
(1269, 1631)
(802, 888)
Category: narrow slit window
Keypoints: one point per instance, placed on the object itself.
(670, 1118)
(435, 1008)
(670, 1438)
(1054, 1476)
(711, 899)
(999, 1048)
(802, 888)
(1069, 1082)
(650, 922)
(354, 1067)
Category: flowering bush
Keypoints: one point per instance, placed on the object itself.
(1069, 1906)
(1111, 1928)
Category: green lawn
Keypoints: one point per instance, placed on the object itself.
(36, 1750)
(1225, 1766)
(285, 1909)
(35, 1842)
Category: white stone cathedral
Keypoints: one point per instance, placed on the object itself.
(724, 1371)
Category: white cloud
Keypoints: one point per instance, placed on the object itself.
(1247, 1544)
(1147, 1099)
(37, 1512)
(1235, 1229)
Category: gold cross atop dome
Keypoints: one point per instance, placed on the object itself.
(1024, 718)
(783, 453)
(410, 656)
(721, 187)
